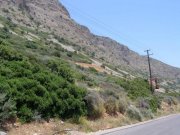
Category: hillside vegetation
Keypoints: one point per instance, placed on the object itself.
(51, 16)
(39, 80)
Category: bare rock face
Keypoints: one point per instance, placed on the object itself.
(46, 6)
(52, 16)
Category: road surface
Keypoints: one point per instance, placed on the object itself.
(165, 126)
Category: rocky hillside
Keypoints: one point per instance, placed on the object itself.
(52, 16)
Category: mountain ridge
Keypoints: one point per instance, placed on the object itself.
(51, 15)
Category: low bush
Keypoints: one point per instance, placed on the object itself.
(134, 113)
(122, 105)
(31, 45)
(7, 109)
(109, 93)
(92, 83)
(150, 103)
(93, 70)
(143, 103)
(5, 10)
(95, 105)
(69, 54)
(9, 55)
(171, 100)
(57, 54)
(147, 113)
(136, 88)
(154, 104)
(62, 40)
(111, 106)
(4, 33)
(85, 124)
(62, 69)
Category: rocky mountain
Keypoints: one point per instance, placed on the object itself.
(52, 16)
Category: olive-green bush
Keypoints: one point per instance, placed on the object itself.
(95, 105)
(134, 113)
(122, 105)
(111, 106)
(147, 113)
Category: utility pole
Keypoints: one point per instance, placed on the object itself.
(150, 71)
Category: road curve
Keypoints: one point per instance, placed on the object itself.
(165, 126)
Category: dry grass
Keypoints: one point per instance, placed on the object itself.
(84, 126)
(85, 65)
(107, 122)
(53, 127)
(58, 127)
(167, 110)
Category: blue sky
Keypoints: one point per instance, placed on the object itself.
(139, 24)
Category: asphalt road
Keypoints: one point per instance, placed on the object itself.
(165, 126)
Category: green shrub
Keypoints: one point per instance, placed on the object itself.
(57, 54)
(95, 105)
(135, 88)
(8, 54)
(62, 69)
(58, 48)
(69, 54)
(7, 109)
(134, 113)
(25, 114)
(4, 33)
(93, 70)
(154, 103)
(36, 88)
(62, 40)
(91, 83)
(31, 45)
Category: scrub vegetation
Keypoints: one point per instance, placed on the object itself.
(39, 80)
